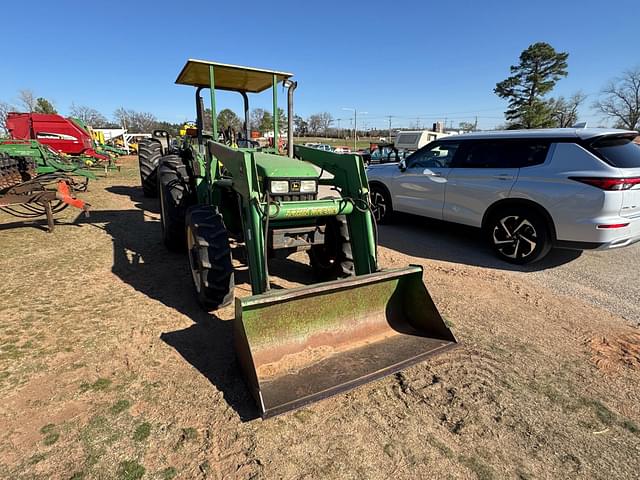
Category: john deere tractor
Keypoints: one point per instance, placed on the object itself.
(295, 346)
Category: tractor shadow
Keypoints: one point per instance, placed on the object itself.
(135, 195)
(438, 240)
(141, 260)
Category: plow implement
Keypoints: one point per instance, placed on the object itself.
(354, 331)
(24, 194)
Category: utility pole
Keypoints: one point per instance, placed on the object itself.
(389, 128)
(355, 125)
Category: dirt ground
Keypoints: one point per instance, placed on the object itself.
(108, 369)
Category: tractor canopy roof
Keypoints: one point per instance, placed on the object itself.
(229, 77)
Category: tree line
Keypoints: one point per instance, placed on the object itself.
(526, 90)
(134, 121)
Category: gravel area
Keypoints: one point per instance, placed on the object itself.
(607, 279)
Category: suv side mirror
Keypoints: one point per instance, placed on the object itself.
(402, 165)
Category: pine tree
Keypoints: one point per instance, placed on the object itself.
(539, 70)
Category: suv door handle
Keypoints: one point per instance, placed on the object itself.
(503, 176)
(432, 174)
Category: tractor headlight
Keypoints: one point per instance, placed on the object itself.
(279, 186)
(308, 186)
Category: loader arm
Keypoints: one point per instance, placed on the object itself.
(350, 178)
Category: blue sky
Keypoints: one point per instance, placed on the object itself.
(432, 60)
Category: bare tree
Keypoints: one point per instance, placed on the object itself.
(565, 111)
(135, 122)
(620, 99)
(325, 120)
(27, 99)
(5, 108)
(315, 123)
(88, 115)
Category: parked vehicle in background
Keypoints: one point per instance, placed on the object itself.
(414, 140)
(385, 153)
(529, 190)
(342, 149)
(320, 146)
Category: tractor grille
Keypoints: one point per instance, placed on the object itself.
(294, 198)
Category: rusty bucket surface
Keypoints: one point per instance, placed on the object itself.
(300, 345)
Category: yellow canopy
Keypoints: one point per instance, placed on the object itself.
(229, 77)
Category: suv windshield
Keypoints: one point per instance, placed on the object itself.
(618, 152)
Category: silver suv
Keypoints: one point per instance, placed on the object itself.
(529, 190)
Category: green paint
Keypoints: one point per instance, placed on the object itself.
(294, 320)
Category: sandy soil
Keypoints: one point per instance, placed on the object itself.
(108, 369)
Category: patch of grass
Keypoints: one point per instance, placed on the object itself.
(77, 476)
(120, 406)
(630, 426)
(95, 437)
(303, 416)
(189, 434)
(444, 450)
(48, 428)
(204, 467)
(482, 471)
(38, 457)
(99, 385)
(51, 438)
(142, 432)
(606, 416)
(130, 470)
(10, 352)
(168, 473)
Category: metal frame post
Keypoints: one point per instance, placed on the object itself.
(276, 133)
(292, 87)
(214, 116)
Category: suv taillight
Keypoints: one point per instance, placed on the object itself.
(609, 183)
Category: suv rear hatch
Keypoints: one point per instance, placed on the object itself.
(620, 151)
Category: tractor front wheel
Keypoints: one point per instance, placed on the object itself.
(209, 257)
(333, 259)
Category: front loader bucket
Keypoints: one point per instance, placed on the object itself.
(300, 345)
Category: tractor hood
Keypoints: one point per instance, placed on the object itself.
(278, 166)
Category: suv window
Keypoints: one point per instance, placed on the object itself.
(433, 156)
(502, 154)
(618, 152)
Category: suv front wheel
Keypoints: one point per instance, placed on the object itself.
(519, 235)
(380, 204)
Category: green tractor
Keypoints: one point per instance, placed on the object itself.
(298, 345)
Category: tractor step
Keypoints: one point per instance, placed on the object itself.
(301, 345)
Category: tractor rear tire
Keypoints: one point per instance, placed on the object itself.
(334, 258)
(149, 153)
(209, 257)
(173, 188)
